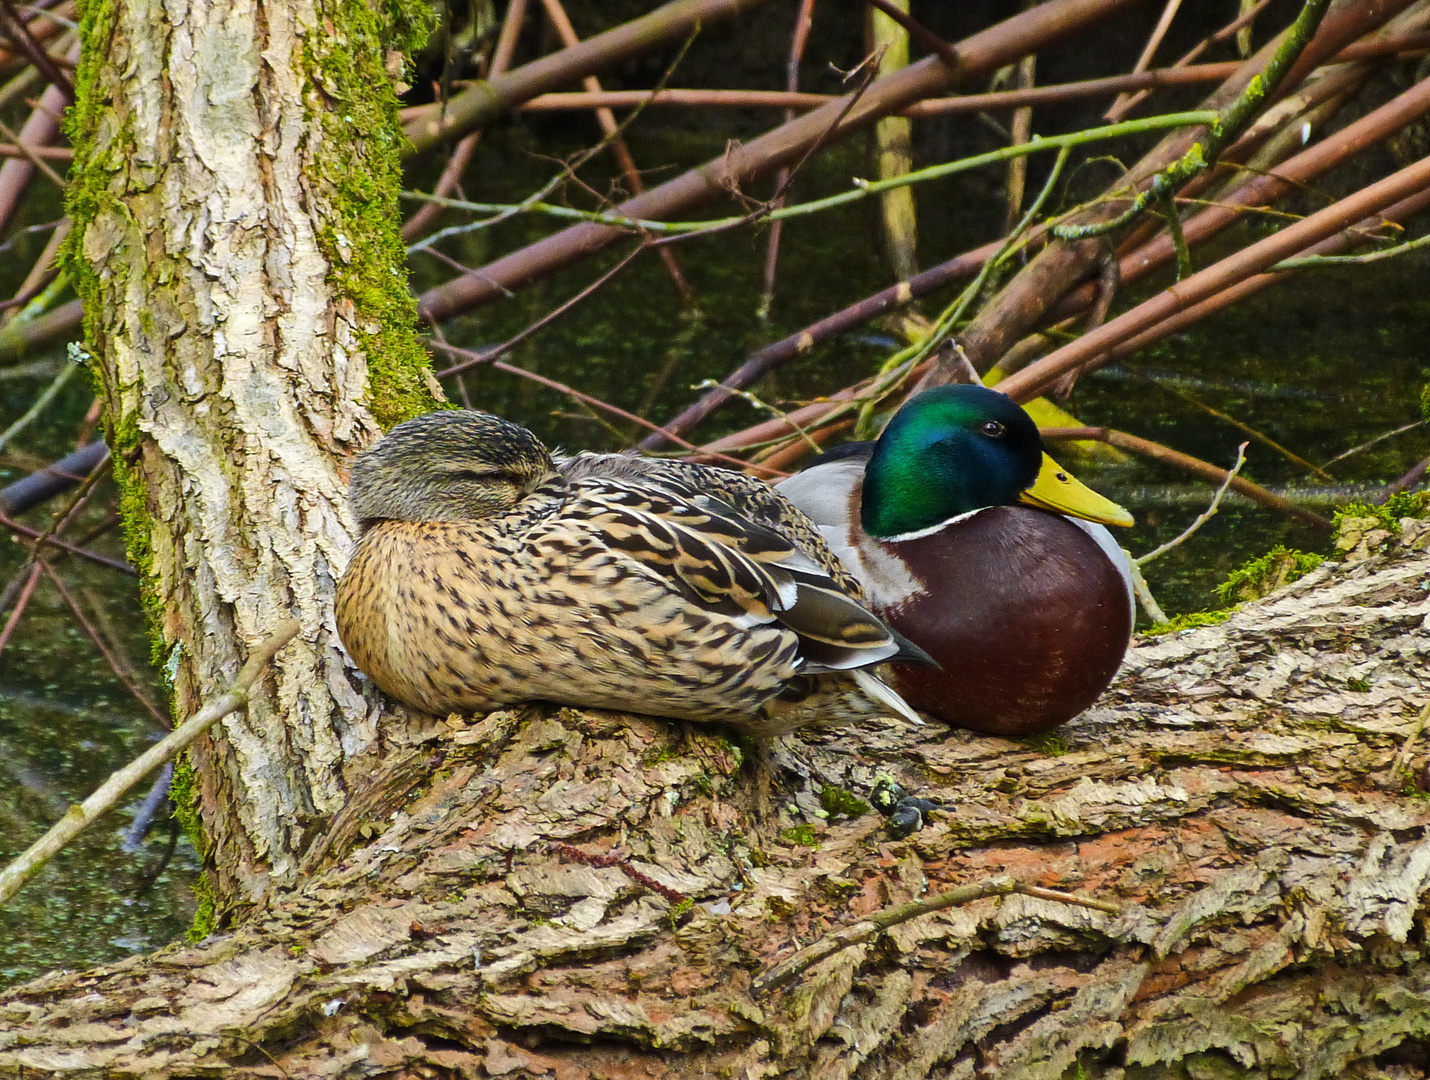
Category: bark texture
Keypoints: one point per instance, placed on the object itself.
(1233, 793)
(235, 340)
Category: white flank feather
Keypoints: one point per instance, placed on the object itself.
(885, 696)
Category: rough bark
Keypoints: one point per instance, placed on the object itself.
(1233, 793)
(222, 149)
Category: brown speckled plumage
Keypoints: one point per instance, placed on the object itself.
(489, 574)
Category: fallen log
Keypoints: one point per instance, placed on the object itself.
(498, 897)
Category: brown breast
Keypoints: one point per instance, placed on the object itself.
(1030, 624)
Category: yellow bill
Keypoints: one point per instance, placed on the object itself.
(1058, 490)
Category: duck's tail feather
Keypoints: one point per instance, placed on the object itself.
(885, 696)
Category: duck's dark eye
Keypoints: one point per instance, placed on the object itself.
(992, 428)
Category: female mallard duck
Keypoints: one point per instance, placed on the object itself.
(955, 523)
(489, 573)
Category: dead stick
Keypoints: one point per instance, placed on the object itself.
(34, 858)
(797, 344)
(480, 104)
(19, 34)
(1036, 377)
(802, 23)
(985, 51)
(607, 119)
(414, 226)
(1118, 109)
(1165, 454)
(125, 677)
(868, 929)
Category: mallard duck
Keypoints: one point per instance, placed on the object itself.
(490, 572)
(966, 537)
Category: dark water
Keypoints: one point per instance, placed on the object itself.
(1330, 361)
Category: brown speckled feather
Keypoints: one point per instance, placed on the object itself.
(595, 581)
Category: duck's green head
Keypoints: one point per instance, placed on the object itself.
(452, 465)
(956, 449)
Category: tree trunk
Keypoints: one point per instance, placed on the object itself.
(504, 895)
(1233, 795)
(237, 252)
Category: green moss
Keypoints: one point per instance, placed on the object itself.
(1387, 514)
(1360, 686)
(836, 802)
(801, 834)
(1425, 402)
(679, 912)
(1190, 621)
(1048, 743)
(361, 175)
(1264, 575)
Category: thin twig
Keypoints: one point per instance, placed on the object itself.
(56, 385)
(34, 858)
(64, 545)
(1378, 439)
(135, 690)
(1205, 516)
(19, 34)
(479, 359)
(28, 152)
(868, 929)
(489, 355)
(1119, 107)
(1402, 757)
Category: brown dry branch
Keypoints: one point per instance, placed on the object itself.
(41, 129)
(979, 55)
(462, 153)
(1166, 455)
(483, 102)
(1052, 94)
(609, 129)
(17, 31)
(33, 859)
(1118, 109)
(1230, 795)
(1230, 271)
(1226, 32)
(1257, 191)
(803, 21)
(1353, 236)
(1024, 302)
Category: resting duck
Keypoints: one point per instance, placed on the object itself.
(489, 572)
(956, 524)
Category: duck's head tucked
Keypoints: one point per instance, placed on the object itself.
(452, 465)
(957, 449)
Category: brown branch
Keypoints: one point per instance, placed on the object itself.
(18, 32)
(609, 128)
(804, 19)
(1119, 107)
(478, 105)
(979, 54)
(919, 32)
(1036, 377)
(869, 928)
(125, 677)
(414, 226)
(1167, 456)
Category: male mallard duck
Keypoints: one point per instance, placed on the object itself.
(490, 573)
(955, 523)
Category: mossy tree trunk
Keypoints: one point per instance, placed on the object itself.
(236, 247)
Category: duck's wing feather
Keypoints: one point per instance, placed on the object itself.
(724, 560)
(749, 497)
